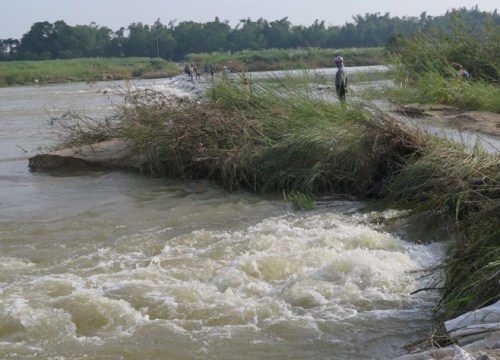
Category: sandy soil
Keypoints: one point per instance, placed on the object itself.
(483, 122)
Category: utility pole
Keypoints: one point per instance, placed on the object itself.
(157, 40)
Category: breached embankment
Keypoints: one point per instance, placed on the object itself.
(112, 154)
(116, 153)
(119, 153)
(476, 335)
(452, 117)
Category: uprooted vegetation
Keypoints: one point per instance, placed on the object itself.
(279, 137)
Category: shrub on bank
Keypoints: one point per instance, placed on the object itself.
(433, 88)
(426, 65)
(462, 187)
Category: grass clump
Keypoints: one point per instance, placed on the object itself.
(300, 201)
(432, 87)
(73, 129)
(268, 138)
(425, 63)
(463, 189)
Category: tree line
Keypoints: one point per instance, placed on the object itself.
(172, 41)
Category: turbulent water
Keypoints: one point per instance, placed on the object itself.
(113, 265)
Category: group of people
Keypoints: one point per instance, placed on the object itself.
(341, 78)
(194, 71)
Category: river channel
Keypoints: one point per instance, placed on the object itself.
(118, 265)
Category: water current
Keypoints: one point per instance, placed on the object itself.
(117, 265)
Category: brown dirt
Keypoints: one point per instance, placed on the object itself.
(483, 122)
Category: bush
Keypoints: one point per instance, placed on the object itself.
(424, 65)
(476, 48)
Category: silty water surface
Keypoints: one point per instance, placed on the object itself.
(113, 265)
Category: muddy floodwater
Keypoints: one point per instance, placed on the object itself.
(117, 265)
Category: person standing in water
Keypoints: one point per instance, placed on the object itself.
(341, 79)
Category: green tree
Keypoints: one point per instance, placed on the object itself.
(249, 35)
(59, 40)
(188, 35)
(36, 41)
(214, 36)
(141, 41)
(8, 49)
(314, 35)
(116, 44)
(164, 40)
(278, 33)
(332, 37)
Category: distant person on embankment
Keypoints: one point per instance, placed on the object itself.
(225, 73)
(341, 79)
(461, 72)
(212, 70)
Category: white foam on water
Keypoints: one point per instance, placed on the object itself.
(8, 264)
(293, 278)
(224, 279)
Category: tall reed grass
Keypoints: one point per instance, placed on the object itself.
(462, 188)
(424, 65)
(431, 87)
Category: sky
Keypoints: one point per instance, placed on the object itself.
(17, 16)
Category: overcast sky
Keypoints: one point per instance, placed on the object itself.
(17, 16)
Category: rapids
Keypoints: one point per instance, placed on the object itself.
(117, 265)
